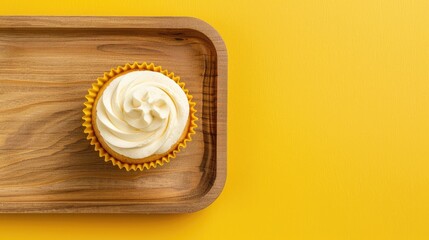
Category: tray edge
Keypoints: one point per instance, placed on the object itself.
(138, 22)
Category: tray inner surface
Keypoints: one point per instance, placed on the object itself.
(44, 76)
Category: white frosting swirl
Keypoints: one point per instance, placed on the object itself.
(142, 113)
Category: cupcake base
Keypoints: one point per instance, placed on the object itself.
(100, 145)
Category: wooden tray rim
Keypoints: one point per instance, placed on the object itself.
(135, 22)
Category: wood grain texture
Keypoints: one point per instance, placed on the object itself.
(46, 66)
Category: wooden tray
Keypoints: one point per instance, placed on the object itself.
(47, 65)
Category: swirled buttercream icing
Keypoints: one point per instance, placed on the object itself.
(142, 113)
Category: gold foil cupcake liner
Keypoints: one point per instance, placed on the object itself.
(89, 105)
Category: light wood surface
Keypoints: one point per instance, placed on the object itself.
(46, 66)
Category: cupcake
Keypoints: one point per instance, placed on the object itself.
(139, 116)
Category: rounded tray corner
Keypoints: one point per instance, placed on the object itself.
(209, 31)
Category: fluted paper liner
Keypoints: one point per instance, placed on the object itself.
(89, 104)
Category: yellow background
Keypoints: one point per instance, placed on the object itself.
(328, 123)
